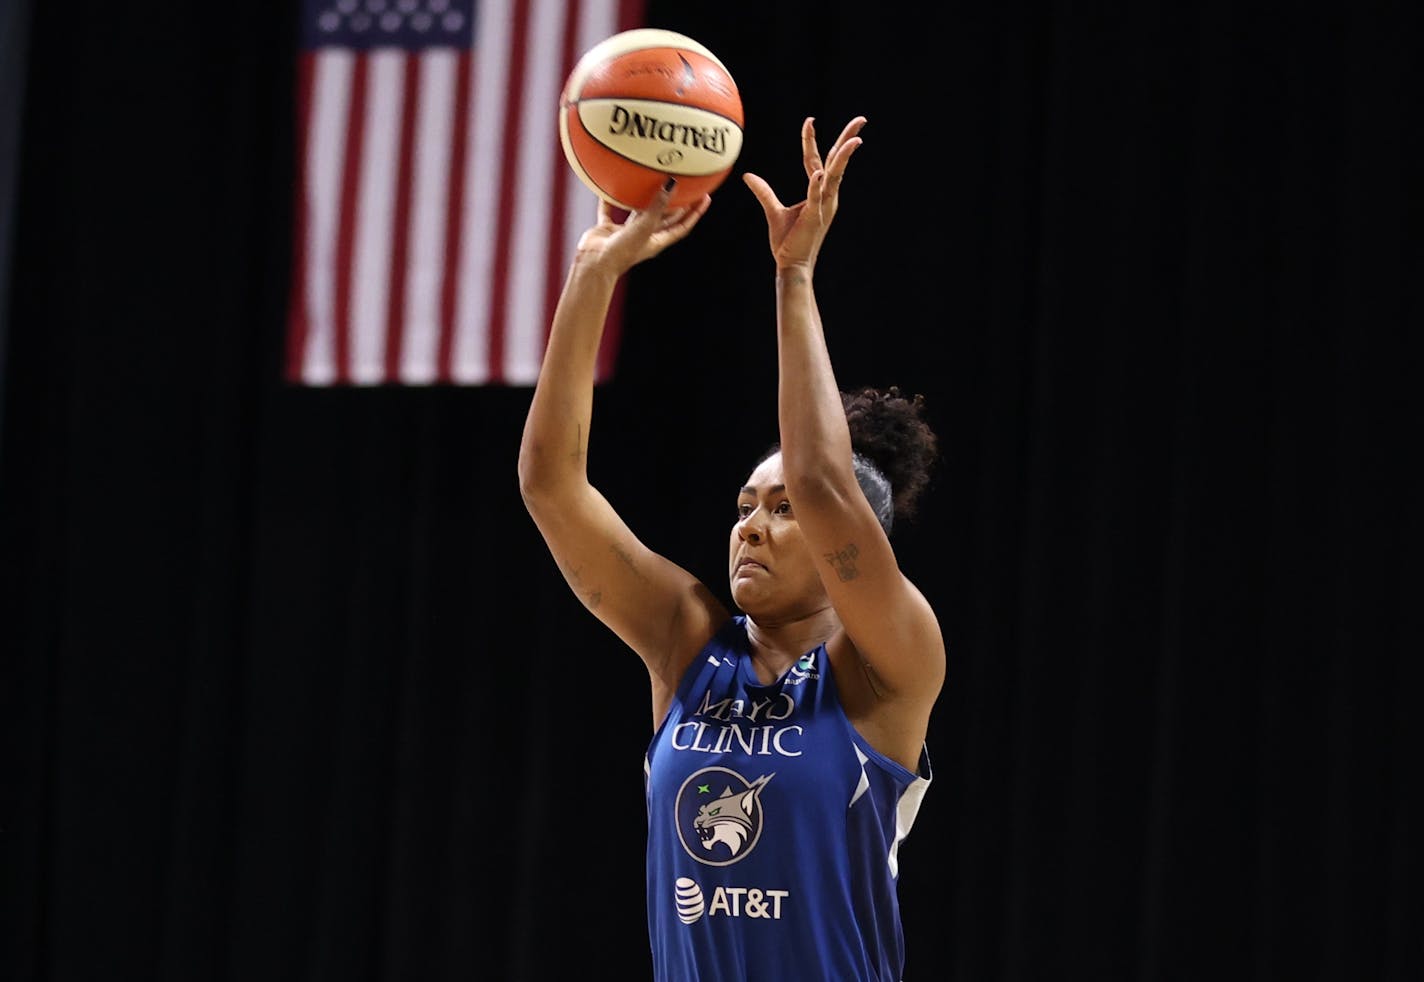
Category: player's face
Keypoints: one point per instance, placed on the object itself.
(769, 564)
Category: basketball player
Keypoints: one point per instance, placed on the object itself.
(788, 756)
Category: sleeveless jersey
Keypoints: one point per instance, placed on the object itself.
(773, 828)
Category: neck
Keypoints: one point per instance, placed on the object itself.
(776, 645)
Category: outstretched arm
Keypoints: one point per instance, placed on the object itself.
(890, 626)
(658, 609)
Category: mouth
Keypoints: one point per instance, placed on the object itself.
(748, 564)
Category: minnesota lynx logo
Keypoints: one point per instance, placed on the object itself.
(719, 816)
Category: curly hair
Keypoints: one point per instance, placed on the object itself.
(888, 429)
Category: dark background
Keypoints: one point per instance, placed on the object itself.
(292, 691)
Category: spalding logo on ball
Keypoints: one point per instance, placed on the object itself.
(646, 105)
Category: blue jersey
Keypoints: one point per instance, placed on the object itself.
(773, 828)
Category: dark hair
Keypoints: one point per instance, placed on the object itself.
(888, 429)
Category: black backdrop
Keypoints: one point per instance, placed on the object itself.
(292, 691)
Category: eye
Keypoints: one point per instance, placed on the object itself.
(783, 508)
(744, 509)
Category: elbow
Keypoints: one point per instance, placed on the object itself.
(542, 481)
(534, 478)
(816, 489)
(816, 478)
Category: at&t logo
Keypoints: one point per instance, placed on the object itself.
(726, 902)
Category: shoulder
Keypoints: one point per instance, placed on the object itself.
(892, 719)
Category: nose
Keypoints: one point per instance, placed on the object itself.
(751, 530)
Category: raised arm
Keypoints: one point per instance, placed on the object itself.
(893, 633)
(657, 608)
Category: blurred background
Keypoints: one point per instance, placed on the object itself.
(291, 690)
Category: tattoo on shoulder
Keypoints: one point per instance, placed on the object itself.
(843, 562)
(876, 686)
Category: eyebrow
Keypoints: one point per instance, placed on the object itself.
(752, 490)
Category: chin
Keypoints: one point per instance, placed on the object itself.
(743, 597)
(751, 601)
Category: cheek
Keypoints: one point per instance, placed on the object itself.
(792, 551)
(806, 562)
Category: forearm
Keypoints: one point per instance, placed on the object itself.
(814, 435)
(555, 441)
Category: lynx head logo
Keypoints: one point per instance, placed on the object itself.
(719, 815)
(805, 668)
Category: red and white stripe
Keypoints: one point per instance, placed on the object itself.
(435, 213)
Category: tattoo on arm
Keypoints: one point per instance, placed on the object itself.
(627, 560)
(843, 562)
(578, 452)
(574, 576)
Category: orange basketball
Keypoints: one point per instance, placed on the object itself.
(646, 105)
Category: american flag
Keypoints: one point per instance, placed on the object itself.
(435, 213)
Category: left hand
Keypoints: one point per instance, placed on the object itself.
(797, 231)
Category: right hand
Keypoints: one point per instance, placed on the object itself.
(618, 246)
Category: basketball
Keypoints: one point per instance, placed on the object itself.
(645, 105)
